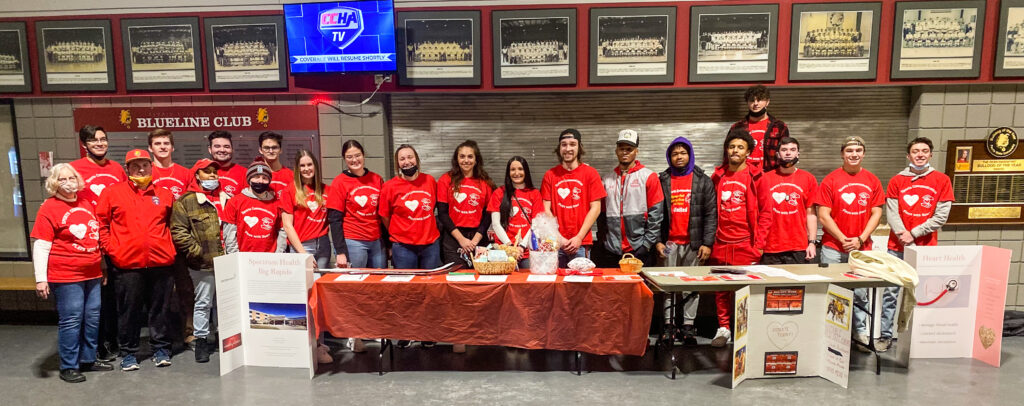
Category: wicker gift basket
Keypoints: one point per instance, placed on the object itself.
(494, 268)
(630, 264)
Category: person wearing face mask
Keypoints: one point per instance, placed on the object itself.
(513, 207)
(352, 210)
(764, 128)
(917, 204)
(195, 230)
(252, 218)
(462, 194)
(134, 219)
(304, 206)
(66, 258)
(407, 210)
(632, 211)
(786, 211)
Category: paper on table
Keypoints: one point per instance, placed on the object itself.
(397, 278)
(460, 277)
(542, 278)
(669, 273)
(492, 278)
(806, 278)
(354, 277)
(622, 278)
(578, 278)
(741, 277)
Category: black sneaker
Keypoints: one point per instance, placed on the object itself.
(104, 354)
(71, 376)
(428, 344)
(403, 343)
(688, 335)
(98, 366)
(202, 350)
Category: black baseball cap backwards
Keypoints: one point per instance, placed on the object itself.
(570, 133)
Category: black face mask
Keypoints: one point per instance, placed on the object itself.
(410, 170)
(788, 164)
(757, 114)
(259, 188)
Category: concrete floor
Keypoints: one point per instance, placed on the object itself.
(493, 375)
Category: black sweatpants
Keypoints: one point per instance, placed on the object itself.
(137, 289)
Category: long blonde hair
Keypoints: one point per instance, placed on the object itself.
(318, 180)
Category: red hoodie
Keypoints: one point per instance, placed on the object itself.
(134, 225)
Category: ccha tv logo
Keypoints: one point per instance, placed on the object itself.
(341, 25)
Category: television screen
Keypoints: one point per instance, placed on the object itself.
(344, 36)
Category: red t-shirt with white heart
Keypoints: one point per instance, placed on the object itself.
(257, 222)
(232, 179)
(280, 180)
(467, 205)
(410, 206)
(679, 209)
(75, 233)
(358, 200)
(851, 198)
(784, 200)
(97, 177)
(570, 194)
(757, 129)
(523, 209)
(917, 202)
(175, 179)
(309, 217)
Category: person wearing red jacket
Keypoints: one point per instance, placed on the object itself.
(631, 219)
(736, 182)
(462, 194)
(407, 209)
(231, 175)
(135, 233)
(786, 210)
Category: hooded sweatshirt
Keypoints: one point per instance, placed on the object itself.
(703, 212)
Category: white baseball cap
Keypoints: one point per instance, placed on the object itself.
(628, 136)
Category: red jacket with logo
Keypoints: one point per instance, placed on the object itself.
(135, 225)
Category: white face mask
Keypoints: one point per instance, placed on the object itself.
(69, 187)
(920, 168)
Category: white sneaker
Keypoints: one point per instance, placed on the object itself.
(721, 337)
(860, 340)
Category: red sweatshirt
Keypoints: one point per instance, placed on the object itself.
(737, 204)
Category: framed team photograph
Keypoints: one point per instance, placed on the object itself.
(14, 69)
(1010, 48)
(439, 48)
(632, 45)
(246, 52)
(834, 41)
(161, 53)
(938, 39)
(733, 43)
(534, 47)
(75, 55)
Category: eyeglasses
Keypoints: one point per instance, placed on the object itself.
(271, 148)
(96, 141)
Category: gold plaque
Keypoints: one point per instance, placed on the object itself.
(993, 213)
(1001, 142)
(999, 165)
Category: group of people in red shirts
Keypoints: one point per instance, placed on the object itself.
(143, 235)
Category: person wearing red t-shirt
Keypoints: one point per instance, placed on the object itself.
(66, 258)
(572, 193)
(271, 148)
(849, 202)
(231, 176)
(462, 194)
(97, 174)
(135, 232)
(167, 174)
(513, 207)
(736, 185)
(764, 129)
(304, 206)
(630, 222)
(407, 210)
(352, 211)
(917, 203)
(252, 218)
(786, 210)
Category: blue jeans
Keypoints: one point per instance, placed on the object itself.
(206, 289)
(365, 254)
(78, 326)
(320, 249)
(889, 296)
(830, 255)
(564, 258)
(407, 256)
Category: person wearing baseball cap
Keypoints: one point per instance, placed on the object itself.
(195, 229)
(252, 218)
(134, 219)
(632, 213)
(572, 193)
(849, 204)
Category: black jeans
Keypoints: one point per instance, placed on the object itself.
(136, 290)
(450, 246)
(782, 258)
(108, 311)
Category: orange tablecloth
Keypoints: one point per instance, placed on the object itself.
(602, 317)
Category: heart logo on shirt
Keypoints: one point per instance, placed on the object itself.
(726, 194)
(848, 197)
(515, 210)
(251, 221)
(459, 197)
(911, 199)
(361, 200)
(412, 204)
(312, 205)
(563, 192)
(78, 230)
(779, 196)
(97, 189)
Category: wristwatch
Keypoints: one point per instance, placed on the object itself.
(815, 242)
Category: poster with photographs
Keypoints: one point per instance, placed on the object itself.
(1010, 48)
(14, 67)
(246, 52)
(75, 55)
(938, 39)
(161, 53)
(834, 41)
(733, 43)
(632, 45)
(441, 48)
(534, 47)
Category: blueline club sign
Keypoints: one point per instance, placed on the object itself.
(344, 36)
